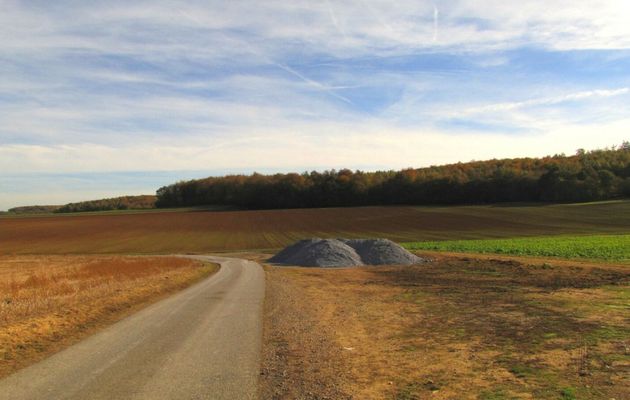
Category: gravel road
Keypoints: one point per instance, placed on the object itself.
(201, 343)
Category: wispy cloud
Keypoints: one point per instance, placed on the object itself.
(545, 101)
(168, 85)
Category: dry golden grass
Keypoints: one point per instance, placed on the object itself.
(459, 328)
(48, 302)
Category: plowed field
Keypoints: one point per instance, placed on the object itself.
(211, 231)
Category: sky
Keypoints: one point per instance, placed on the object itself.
(105, 98)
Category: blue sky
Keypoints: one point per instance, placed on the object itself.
(116, 97)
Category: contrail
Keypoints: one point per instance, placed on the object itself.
(334, 19)
(370, 9)
(266, 58)
(436, 22)
(312, 82)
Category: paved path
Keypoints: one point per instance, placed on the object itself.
(201, 343)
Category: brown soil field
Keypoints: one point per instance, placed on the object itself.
(212, 231)
(50, 302)
(457, 328)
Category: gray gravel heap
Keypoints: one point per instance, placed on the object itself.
(382, 252)
(318, 253)
(345, 253)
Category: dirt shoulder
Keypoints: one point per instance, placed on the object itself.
(527, 260)
(460, 327)
(50, 302)
(300, 360)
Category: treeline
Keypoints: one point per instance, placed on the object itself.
(116, 203)
(33, 209)
(586, 176)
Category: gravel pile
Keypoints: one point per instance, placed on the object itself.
(345, 253)
(381, 252)
(318, 253)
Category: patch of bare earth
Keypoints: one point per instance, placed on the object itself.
(458, 328)
(50, 302)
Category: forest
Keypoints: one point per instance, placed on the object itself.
(115, 203)
(33, 209)
(586, 176)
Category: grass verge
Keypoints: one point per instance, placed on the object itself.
(50, 302)
(459, 327)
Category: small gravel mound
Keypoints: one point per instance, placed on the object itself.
(382, 252)
(318, 253)
(292, 252)
(344, 253)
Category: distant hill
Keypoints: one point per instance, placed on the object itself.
(115, 203)
(33, 209)
(585, 176)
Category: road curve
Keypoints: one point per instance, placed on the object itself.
(201, 343)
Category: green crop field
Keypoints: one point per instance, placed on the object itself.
(595, 247)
